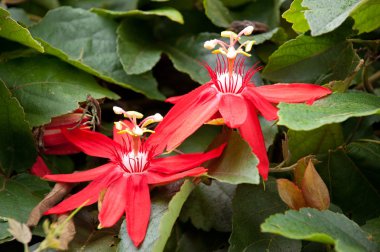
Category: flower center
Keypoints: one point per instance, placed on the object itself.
(134, 163)
(229, 83)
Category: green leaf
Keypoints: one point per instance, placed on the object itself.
(34, 184)
(198, 240)
(138, 54)
(276, 35)
(326, 15)
(269, 131)
(20, 16)
(5, 236)
(17, 148)
(93, 49)
(373, 228)
(264, 11)
(11, 30)
(47, 87)
(17, 200)
(251, 206)
(366, 16)
(317, 141)
(20, 186)
(217, 13)
(335, 108)
(235, 3)
(237, 164)
(164, 213)
(89, 238)
(188, 54)
(311, 59)
(168, 12)
(210, 207)
(367, 157)
(200, 140)
(320, 226)
(295, 15)
(348, 186)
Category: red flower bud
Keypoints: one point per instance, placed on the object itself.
(51, 139)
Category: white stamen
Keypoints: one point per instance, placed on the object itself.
(137, 131)
(210, 44)
(248, 30)
(231, 54)
(157, 117)
(119, 125)
(117, 110)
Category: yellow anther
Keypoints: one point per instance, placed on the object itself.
(133, 114)
(217, 51)
(244, 53)
(216, 121)
(149, 131)
(228, 34)
(248, 46)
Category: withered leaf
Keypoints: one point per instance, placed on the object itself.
(290, 194)
(20, 231)
(314, 190)
(59, 191)
(68, 232)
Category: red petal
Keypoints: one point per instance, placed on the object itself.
(160, 178)
(92, 143)
(174, 99)
(180, 163)
(251, 132)
(191, 95)
(184, 119)
(53, 137)
(114, 203)
(265, 107)
(62, 149)
(233, 109)
(295, 92)
(89, 195)
(137, 209)
(82, 175)
(39, 168)
(66, 120)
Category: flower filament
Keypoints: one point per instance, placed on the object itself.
(134, 129)
(134, 163)
(229, 50)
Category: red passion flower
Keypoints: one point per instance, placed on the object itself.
(133, 166)
(230, 94)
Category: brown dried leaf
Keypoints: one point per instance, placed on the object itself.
(20, 231)
(300, 169)
(314, 190)
(68, 232)
(290, 194)
(59, 191)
